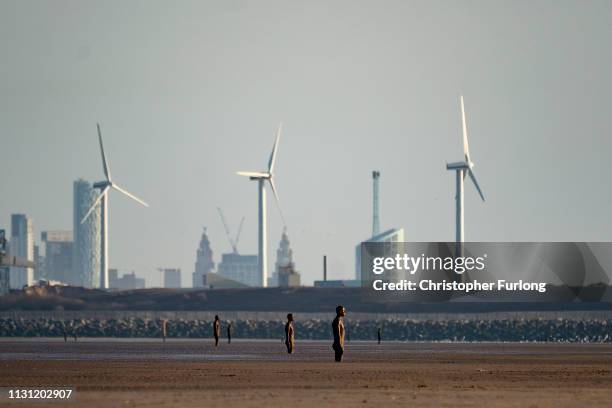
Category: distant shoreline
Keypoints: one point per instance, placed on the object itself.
(262, 315)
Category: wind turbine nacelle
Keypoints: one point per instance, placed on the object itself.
(459, 165)
(101, 184)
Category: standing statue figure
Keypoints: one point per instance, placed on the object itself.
(289, 333)
(164, 329)
(338, 330)
(217, 330)
(229, 332)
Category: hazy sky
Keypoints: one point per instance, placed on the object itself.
(187, 93)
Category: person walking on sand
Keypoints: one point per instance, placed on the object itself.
(379, 335)
(338, 330)
(217, 330)
(229, 332)
(289, 333)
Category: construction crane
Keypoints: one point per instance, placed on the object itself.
(235, 247)
(7, 260)
(232, 241)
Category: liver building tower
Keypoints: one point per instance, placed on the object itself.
(204, 261)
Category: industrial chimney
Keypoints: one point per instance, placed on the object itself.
(375, 216)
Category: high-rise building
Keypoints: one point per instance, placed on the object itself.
(240, 268)
(22, 245)
(5, 281)
(57, 250)
(172, 277)
(86, 249)
(284, 271)
(204, 261)
(39, 261)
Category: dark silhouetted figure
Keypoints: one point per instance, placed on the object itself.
(379, 335)
(65, 335)
(75, 335)
(164, 329)
(289, 333)
(217, 330)
(229, 332)
(338, 330)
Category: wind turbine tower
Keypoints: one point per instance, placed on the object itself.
(261, 177)
(462, 169)
(104, 187)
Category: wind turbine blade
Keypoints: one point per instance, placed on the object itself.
(130, 195)
(476, 184)
(277, 200)
(253, 174)
(272, 160)
(466, 147)
(95, 204)
(104, 162)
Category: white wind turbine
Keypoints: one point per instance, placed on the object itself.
(104, 187)
(463, 169)
(261, 177)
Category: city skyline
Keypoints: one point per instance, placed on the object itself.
(198, 97)
(62, 258)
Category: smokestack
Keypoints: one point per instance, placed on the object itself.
(375, 215)
(324, 268)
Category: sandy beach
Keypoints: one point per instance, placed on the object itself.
(192, 373)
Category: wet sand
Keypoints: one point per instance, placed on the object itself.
(193, 373)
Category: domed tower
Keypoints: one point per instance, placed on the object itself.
(284, 253)
(284, 272)
(204, 261)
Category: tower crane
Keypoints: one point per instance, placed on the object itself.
(232, 241)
